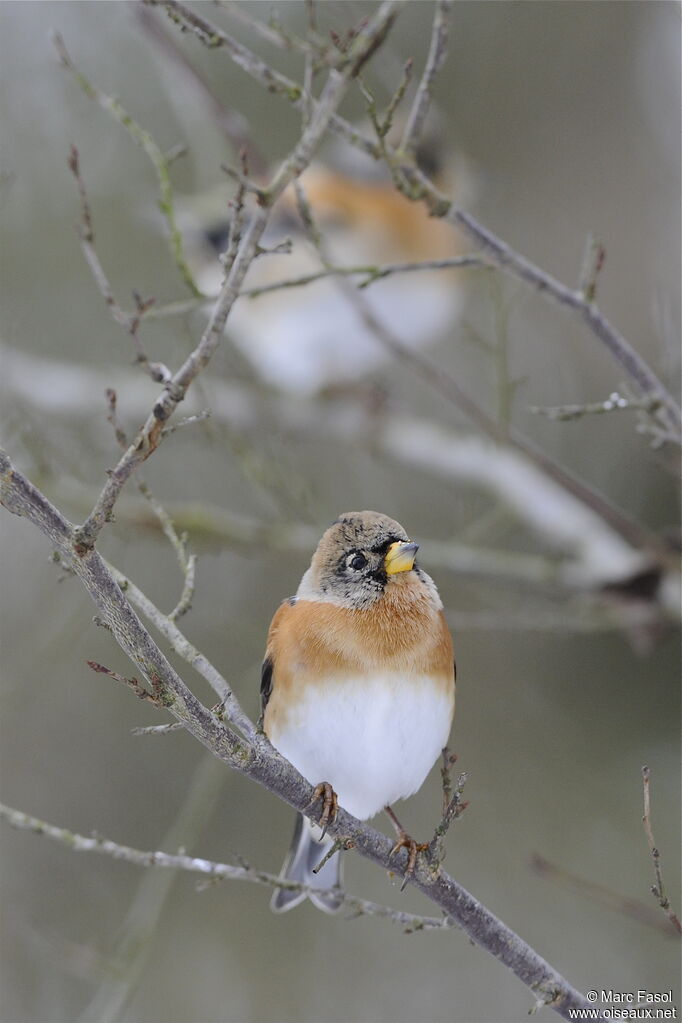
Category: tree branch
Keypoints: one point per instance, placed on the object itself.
(658, 890)
(521, 268)
(211, 869)
(271, 80)
(257, 759)
(420, 187)
(364, 44)
(438, 49)
(144, 139)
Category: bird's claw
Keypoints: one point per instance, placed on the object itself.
(330, 805)
(406, 841)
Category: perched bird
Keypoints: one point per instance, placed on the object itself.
(357, 686)
(310, 338)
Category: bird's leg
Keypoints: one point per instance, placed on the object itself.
(330, 805)
(405, 841)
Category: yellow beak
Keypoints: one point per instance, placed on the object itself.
(400, 557)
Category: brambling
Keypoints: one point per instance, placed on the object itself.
(357, 687)
(306, 339)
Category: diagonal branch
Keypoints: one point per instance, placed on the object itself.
(437, 53)
(143, 138)
(175, 389)
(258, 760)
(521, 268)
(271, 80)
(420, 187)
(232, 124)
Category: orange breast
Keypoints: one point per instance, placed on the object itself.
(324, 644)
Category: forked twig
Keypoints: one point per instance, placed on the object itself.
(657, 889)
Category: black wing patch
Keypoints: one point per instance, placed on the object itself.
(265, 683)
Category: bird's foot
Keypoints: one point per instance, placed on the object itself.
(330, 805)
(405, 841)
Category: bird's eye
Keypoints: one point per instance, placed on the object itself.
(357, 561)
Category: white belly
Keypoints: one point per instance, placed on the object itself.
(374, 740)
(320, 339)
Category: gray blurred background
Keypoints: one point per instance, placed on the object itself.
(570, 114)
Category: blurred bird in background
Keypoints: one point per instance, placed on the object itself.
(307, 339)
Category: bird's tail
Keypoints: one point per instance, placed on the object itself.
(305, 854)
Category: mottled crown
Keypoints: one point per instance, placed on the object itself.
(348, 566)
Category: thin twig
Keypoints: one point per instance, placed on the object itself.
(200, 417)
(182, 646)
(186, 561)
(599, 894)
(129, 321)
(438, 49)
(521, 268)
(173, 726)
(233, 124)
(145, 140)
(187, 595)
(273, 81)
(614, 403)
(369, 272)
(397, 97)
(593, 263)
(150, 435)
(272, 32)
(453, 807)
(86, 236)
(132, 683)
(214, 870)
(657, 889)
(134, 939)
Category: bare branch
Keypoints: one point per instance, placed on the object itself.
(418, 186)
(21, 498)
(437, 53)
(151, 433)
(181, 645)
(397, 97)
(446, 384)
(134, 938)
(174, 726)
(614, 403)
(187, 562)
(599, 894)
(593, 263)
(521, 268)
(412, 922)
(370, 273)
(453, 807)
(271, 80)
(232, 124)
(132, 683)
(657, 889)
(150, 147)
(261, 762)
(87, 239)
(570, 524)
(272, 32)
